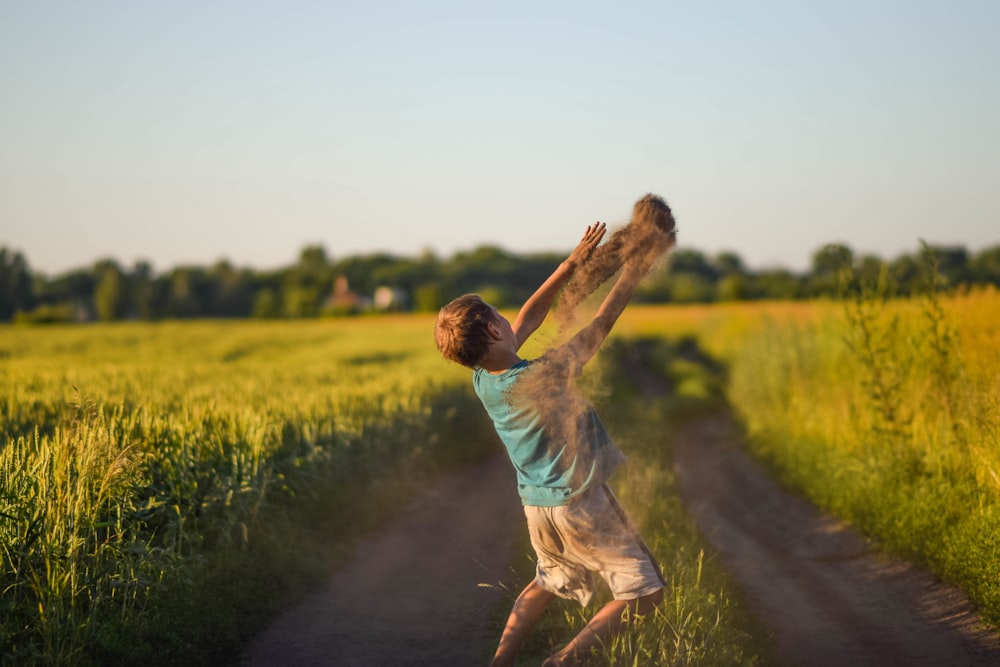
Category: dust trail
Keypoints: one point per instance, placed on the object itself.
(550, 389)
(635, 242)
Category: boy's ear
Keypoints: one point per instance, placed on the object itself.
(493, 330)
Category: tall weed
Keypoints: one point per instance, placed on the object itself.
(883, 410)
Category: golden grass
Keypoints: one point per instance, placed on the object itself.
(887, 413)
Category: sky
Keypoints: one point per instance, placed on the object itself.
(184, 133)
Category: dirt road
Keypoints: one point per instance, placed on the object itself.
(411, 597)
(829, 599)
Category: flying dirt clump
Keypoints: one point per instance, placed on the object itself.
(651, 217)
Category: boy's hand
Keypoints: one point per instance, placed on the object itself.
(585, 248)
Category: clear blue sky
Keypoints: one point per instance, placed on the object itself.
(182, 133)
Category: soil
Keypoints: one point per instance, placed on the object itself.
(423, 591)
(414, 595)
(829, 598)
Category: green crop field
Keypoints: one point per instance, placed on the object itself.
(138, 461)
(160, 483)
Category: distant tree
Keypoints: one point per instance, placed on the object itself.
(869, 268)
(427, 298)
(728, 264)
(692, 262)
(300, 301)
(777, 285)
(232, 290)
(732, 280)
(75, 288)
(486, 265)
(111, 294)
(656, 288)
(493, 295)
(984, 267)
(266, 305)
(906, 274)
(143, 291)
(828, 266)
(952, 262)
(688, 287)
(189, 293)
(107, 297)
(831, 259)
(522, 280)
(733, 287)
(17, 289)
(313, 260)
(489, 266)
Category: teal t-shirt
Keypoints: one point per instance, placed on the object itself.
(555, 439)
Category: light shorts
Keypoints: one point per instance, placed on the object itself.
(591, 534)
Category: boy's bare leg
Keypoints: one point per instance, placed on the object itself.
(605, 624)
(528, 608)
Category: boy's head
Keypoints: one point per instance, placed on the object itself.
(653, 209)
(461, 333)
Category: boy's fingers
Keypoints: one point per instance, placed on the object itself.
(596, 231)
(591, 237)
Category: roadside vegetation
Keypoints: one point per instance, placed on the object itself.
(882, 410)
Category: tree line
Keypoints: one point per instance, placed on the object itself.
(317, 285)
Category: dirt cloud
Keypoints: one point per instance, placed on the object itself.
(635, 242)
(550, 388)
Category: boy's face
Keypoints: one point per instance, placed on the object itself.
(503, 327)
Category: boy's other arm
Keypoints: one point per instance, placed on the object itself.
(536, 308)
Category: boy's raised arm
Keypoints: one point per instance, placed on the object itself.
(536, 308)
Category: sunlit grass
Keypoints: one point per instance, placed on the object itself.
(885, 412)
(142, 466)
(146, 468)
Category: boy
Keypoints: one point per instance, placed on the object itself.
(558, 445)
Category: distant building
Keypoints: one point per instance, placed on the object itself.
(344, 299)
(390, 299)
